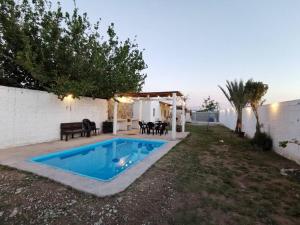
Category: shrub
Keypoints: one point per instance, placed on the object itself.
(262, 140)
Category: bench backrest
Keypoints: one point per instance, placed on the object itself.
(71, 126)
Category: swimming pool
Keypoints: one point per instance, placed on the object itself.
(103, 160)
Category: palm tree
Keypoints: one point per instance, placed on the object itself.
(256, 91)
(238, 98)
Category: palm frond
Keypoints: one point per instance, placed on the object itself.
(226, 95)
(236, 94)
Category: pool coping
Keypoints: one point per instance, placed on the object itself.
(89, 185)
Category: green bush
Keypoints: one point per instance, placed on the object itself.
(263, 141)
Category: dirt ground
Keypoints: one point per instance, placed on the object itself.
(212, 177)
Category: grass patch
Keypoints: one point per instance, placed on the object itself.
(242, 185)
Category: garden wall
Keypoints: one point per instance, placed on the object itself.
(280, 120)
(205, 116)
(30, 116)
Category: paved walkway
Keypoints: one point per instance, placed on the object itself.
(17, 157)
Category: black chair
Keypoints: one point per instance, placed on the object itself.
(142, 127)
(163, 128)
(87, 128)
(157, 127)
(94, 128)
(150, 127)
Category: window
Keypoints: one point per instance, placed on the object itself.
(153, 112)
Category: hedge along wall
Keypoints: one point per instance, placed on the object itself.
(30, 116)
(280, 120)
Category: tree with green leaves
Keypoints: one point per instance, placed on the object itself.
(11, 43)
(256, 90)
(63, 53)
(209, 105)
(237, 96)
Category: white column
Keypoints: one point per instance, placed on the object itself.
(140, 110)
(183, 117)
(115, 117)
(150, 108)
(174, 117)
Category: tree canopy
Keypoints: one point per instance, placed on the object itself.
(63, 53)
(209, 105)
(256, 90)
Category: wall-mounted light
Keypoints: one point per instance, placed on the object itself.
(275, 107)
(69, 97)
(248, 109)
(125, 99)
(68, 100)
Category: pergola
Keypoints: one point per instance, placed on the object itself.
(174, 96)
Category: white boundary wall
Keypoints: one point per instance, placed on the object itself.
(280, 120)
(30, 116)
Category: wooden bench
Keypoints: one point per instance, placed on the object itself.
(71, 129)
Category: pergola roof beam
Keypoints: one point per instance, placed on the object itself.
(151, 94)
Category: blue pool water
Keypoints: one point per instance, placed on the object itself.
(103, 160)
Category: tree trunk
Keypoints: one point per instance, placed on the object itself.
(257, 120)
(241, 121)
(238, 127)
(237, 123)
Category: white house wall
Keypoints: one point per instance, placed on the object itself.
(30, 116)
(147, 110)
(146, 115)
(155, 105)
(280, 120)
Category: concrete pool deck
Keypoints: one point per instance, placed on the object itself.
(17, 157)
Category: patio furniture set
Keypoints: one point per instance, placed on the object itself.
(87, 127)
(158, 127)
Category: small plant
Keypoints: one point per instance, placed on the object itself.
(294, 173)
(262, 140)
(284, 144)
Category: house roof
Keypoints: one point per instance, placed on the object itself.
(151, 94)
